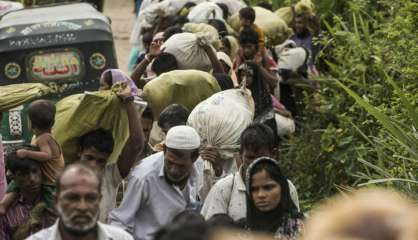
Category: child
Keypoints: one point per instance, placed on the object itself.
(41, 119)
(246, 19)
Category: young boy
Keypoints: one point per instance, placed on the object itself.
(41, 119)
(246, 19)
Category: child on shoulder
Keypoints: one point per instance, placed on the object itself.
(41, 119)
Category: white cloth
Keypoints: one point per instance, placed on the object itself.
(104, 232)
(227, 196)
(205, 11)
(150, 202)
(110, 183)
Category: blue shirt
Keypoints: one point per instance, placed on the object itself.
(150, 202)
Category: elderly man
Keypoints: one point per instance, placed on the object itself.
(78, 198)
(30, 212)
(162, 186)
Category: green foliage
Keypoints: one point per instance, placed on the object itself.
(364, 130)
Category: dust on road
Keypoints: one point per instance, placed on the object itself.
(122, 16)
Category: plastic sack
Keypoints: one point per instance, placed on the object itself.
(185, 87)
(7, 6)
(17, 94)
(211, 32)
(275, 29)
(82, 113)
(204, 11)
(189, 55)
(288, 14)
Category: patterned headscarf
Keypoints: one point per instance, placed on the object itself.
(118, 76)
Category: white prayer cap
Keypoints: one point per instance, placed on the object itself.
(182, 138)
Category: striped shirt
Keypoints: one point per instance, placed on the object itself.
(17, 215)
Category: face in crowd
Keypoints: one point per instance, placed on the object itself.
(178, 164)
(94, 158)
(265, 192)
(30, 180)
(78, 198)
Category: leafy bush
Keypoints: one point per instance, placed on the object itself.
(370, 50)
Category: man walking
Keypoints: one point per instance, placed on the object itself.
(162, 186)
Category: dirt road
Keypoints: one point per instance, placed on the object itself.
(121, 13)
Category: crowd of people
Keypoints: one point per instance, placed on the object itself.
(161, 171)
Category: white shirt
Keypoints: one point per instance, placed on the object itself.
(104, 232)
(150, 202)
(110, 183)
(227, 196)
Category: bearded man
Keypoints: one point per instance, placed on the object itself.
(161, 186)
(78, 199)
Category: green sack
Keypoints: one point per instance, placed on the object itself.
(288, 14)
(17, 94)
(275, 29)
(185, 87)
(82, 113)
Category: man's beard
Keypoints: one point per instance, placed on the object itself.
(173, 181)
(78, 229)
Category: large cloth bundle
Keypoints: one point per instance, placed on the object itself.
(189, 55)
(82, 113)
(185, 87)
(205, 11)
(17, 94)
(220, 120)
(210, 32)
(288, 13)
(275, 29)
(148, 16)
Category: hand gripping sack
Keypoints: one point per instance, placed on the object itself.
(275, 29)
(82, 113)
(211, 32)
(189, 55)
(185, 87)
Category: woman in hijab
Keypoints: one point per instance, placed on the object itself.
(270, 208)
(112, 76)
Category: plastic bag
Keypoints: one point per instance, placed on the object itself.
(189, 55)
(17, 94)
(275, 29)
(185, 87)
(210, 31)
(82, 113)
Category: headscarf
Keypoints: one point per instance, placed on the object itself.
(120, 77)
(259, 90)
(227, 60)
(269, 221)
